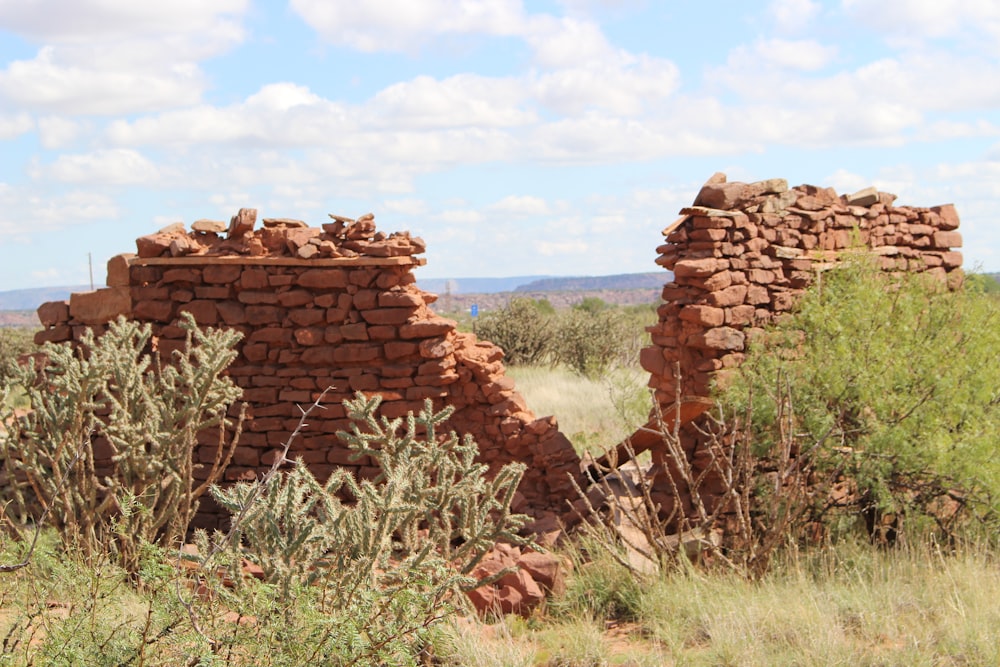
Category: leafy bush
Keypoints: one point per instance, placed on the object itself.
(899, 378)
(522, 329)
(589, 337)
(111, 392)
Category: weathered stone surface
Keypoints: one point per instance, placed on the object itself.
(865, 197)
(209, 226)
(118, 270)
(100, 306)
(242, 223)
(283, 222)
(51, 313)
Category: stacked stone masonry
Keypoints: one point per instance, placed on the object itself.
(742, 255)
(336, 308)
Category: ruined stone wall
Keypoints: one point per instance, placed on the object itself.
(743, 253)
(333, 308)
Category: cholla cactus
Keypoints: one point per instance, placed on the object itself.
(388, 560)
(109, 389)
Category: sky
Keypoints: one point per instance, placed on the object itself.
(516, 137)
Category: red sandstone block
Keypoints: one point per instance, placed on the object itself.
(57, 334)
(394, 316)
(740, 315)
(221, 274)
(181, 295)
(400, 349)
(396, 383)
(435, 348)
(231, 312)
(204, 312)
(271, 335)
(253, 279)
(255, 352)
(294, 298)
(720, 338)
(212, 292)
(149, 293)
(362, 277)
(356, 352)
(399, 299)
(181, 276)
(696, 268)
(366, 299)
(382, 332)
(365, 382)
(427, 328)
(704, 315)
(253, 297)
(332, 335)
(153, 311)
(947, 216)
(261, 315)
(310, 336)
(305, 317)
(951, 260)
(947, 240)
(53, 312)
(357, 331)
(393, 409)
(730, 296)
(323, 278)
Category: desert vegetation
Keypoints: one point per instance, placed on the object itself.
(872, 411)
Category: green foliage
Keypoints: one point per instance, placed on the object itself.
(385, 566)
(590, 337)
(897, 377)
(522, 329)
(110, 392)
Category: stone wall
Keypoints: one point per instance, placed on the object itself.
(336, 308)
(743, 253)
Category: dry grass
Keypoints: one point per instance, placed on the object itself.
(595, 414)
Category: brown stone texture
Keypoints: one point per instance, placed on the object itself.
(345, 323)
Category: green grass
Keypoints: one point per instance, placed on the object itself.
(595, 414)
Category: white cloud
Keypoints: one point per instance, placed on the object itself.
(15, 125)
(402, 25)
(520, 206)
(116, 166)
(409, 206)
(49, 211)
(111, 57)
(921, 19)
(59, 131)
(791, 16)
(461, 100)
(566, 42)
(805, 55)
(568, 247)
(624, 85)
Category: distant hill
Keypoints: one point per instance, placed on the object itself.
(474, 285)
(30, 299)
(625, 281)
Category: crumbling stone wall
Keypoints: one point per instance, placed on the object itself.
(741, 256)
(336, 308)
(743, 253)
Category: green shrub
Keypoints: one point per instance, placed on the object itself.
(523, 329)
(898, 377)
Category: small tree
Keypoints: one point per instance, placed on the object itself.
(903, 374)
(522, 329)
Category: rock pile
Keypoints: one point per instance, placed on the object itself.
(531, 576)
(329, 317)
(279, 237)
